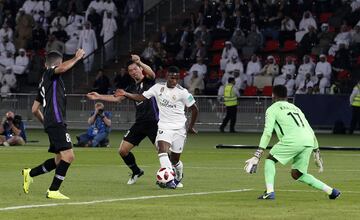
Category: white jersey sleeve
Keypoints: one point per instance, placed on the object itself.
(188, 98)
(152, 92)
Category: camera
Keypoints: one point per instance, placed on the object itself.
(100, 111)
(9, 119)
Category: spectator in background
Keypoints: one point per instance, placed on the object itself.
(97, 5)
(132, 11)
(6, 61)
(61, 34)
(109, 28)
(98, 132)
(23, 29)
(325, 38)
(164, 37)
(307, 67)
(21, 63)
(355, 40)
(160, 56)
(203, 35)
(9, 78)
(254, 39)
(309, 40)
(74, 21)
(186, 36)
(6, 32)
(324, 67)
(149, 52)
(355, 105)
(96, 21)
(183, 56)
(102, 83)
(199, 51)
(38, 38)
(198, 67)
(307, 21)
(306, 86)
(44, 6)
(227, 53)
(234, 64)
(73, 42)
(88, 42)
(230, 94)
(60, 19)
(6, 45)
(271, 68)
(289, 67)
(110, 7)
(54, 44)
(288, 82)
(238, 39)
(29, 6)
(287, 30)
(320, 83)
(196, 84)
(42, 20)
(253, 68)
(12, 130)
(122, 79)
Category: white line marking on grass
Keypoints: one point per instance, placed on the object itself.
(313, 191)
(123, 199)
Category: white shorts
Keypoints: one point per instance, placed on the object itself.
(176, 138)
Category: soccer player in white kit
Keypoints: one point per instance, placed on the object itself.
(171, 100)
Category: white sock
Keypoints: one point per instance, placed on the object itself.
(327, 189)
(179, 167)
(164, 160)
(269, 188)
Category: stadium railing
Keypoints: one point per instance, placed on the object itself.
(251, 111)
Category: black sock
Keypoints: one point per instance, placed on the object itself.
(60, 174)
(46, 167)
(131, 163)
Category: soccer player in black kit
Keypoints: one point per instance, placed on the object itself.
(146, 114)
(51, 95)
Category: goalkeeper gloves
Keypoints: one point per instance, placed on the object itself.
(318, 160)
(252, 163)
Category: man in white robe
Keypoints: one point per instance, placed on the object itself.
(108, 30)
(88, 42)
(21, 63)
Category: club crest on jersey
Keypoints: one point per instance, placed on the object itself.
(174, 97)
(161, 90)
(160, 132)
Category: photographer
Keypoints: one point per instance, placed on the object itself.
(12, 130)
(98, 132)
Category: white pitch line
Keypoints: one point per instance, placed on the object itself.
(122, 199)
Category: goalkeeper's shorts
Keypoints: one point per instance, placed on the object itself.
(298, 156)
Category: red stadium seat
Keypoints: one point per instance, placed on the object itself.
(343, 75)
(218, 45)
(330, 59)
(216, 60)
(289, 45)
(220, 73)
(324, 17)
(250, 91)
(271, 45)
(267, 91)
(331, 29)
(183, 73)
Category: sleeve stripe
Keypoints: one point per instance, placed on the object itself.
(281, 130)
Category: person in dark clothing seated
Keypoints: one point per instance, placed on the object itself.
(102, 83)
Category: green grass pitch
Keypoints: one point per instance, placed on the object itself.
(215, 185)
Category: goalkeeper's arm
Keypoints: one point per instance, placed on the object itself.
(317, 156)
(252, 163)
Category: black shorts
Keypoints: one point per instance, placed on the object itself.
(59, 138)
(139, 131)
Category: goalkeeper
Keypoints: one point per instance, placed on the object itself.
(296, 143)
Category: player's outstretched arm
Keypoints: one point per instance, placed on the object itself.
(106, 98)
(148, 72)
(252, 163)
(135, 97)
(65, 66)
(35, 109)
(194, 114)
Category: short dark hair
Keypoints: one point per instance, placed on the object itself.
(173, 69)
(52, 57)
(231, 79)
(130, 62)
(279, 91)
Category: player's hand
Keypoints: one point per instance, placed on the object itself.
(251, 165)
(135, 58)
(318, 160)
(192, 131)
(119, 92)
(93, 95)
(80, 53)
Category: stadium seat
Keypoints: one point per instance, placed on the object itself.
(289, 45)
(324, 17)
(271, 45)
(331, 29)
(250, 91)
(183, 73)
(216, 60)
(220, 73)
(267, 91)
(330, 59)
(218, 45)
(343, 75)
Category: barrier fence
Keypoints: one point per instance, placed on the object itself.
(251, 111)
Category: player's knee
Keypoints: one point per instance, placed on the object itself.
(295, 174)
(123, 152)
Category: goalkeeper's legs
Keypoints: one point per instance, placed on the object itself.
(270, 172)
(311, 181)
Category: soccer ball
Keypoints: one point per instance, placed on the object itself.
(165, 175)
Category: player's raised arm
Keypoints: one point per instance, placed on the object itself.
(147, 71)
(65, 66)
(106, 98)
(194, 114)
(135, 97)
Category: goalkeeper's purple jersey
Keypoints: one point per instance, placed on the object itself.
(290, 125)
